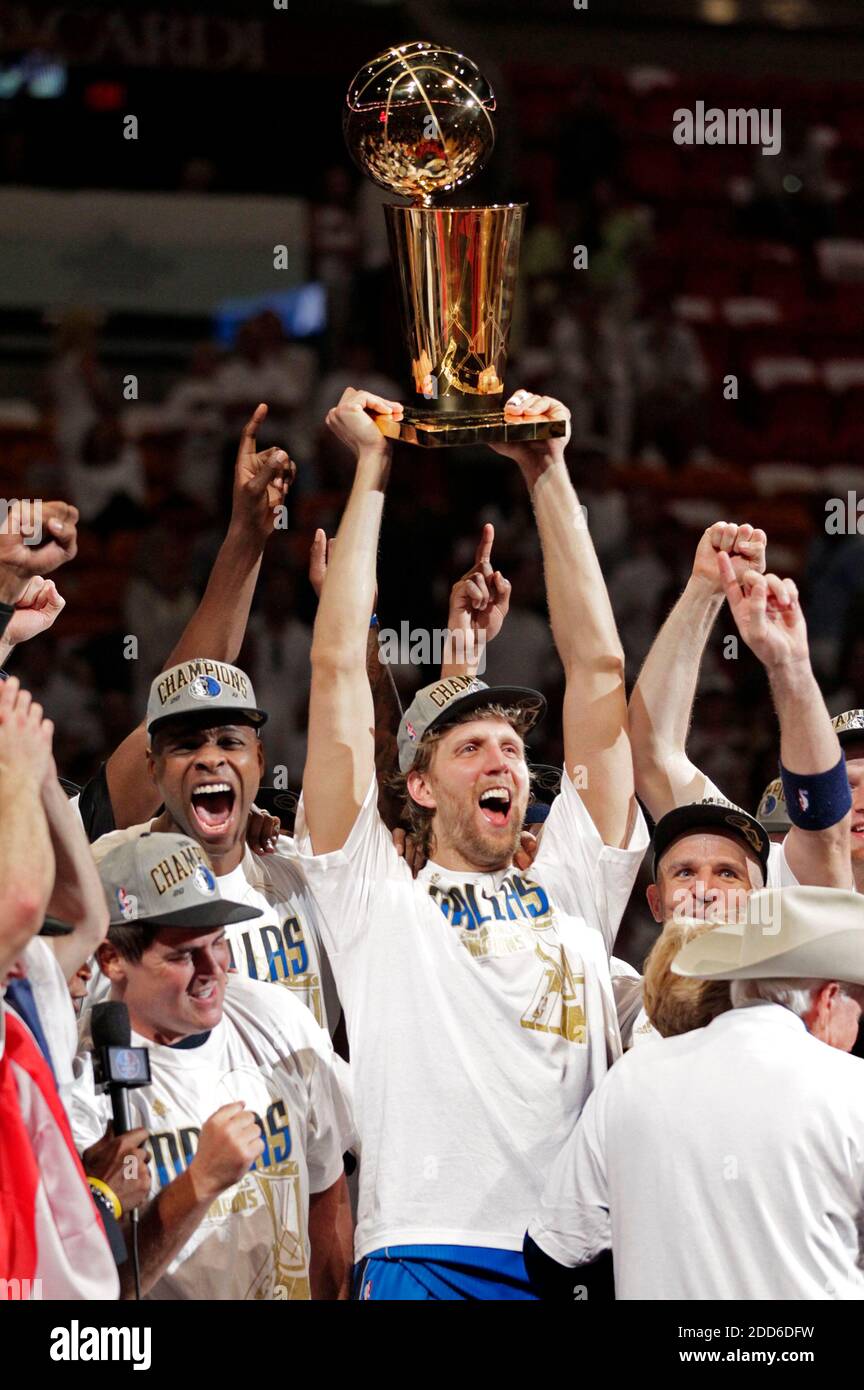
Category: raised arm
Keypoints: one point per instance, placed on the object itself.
(218, 625)
(26, 856)
(77, 897)
(385, 697)
(769, 618)
(661, 704)
(341, 749)
(596, 738)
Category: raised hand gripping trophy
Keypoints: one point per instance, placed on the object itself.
(418, 121)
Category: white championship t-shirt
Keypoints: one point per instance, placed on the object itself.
(724, 1163)
(284, 945)
(269, 1053)
(480, 1014)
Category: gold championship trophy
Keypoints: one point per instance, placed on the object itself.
(418, 122)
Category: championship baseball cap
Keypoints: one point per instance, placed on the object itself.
(849, 726)
(201, 687)
(723, 816)
(445, 700)
(165, 880)
(772, 812)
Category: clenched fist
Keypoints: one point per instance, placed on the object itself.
(33, 540)
(351, 422)
(229, 1144)
(744, 544)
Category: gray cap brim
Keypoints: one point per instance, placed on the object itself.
(218, 913)
(212, 719)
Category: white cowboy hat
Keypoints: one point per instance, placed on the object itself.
(785, 933)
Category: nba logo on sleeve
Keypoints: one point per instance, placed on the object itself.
(204, 688)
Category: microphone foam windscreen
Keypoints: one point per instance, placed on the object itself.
(110, 1025)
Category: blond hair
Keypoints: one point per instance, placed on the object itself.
(675, 1004)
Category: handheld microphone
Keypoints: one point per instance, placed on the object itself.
(117, 1066)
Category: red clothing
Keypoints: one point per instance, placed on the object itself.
(50, 1230)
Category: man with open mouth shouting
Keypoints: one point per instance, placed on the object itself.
(205, 758)
(478, 999)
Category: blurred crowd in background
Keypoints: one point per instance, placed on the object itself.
(706, 347)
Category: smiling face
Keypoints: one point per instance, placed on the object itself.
(477, 785)
(703, 875)
(177, 987)
(208, 779)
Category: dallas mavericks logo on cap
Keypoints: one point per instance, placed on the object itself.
(769, 804)
(204, 880)
(185, 689)
(204, 688)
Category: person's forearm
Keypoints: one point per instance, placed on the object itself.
(26, 864)
(808, 743)
(818, 853)
(218, 625)
(661, 704)
(348, 592)
(596, 735)
(462, 653)
(164, 1227)
(77, 897)
(583, 624)
(388, 713)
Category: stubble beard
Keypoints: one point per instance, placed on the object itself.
(454, 826)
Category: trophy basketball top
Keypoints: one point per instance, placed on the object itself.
(418, 120)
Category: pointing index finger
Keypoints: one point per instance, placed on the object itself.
(482, 554)
(250, 429)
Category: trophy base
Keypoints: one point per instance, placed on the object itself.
(436, 431)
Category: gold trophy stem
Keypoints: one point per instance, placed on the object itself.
(457, 272)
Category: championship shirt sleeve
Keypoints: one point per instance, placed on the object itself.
(345, 881)
(88, 1112)
(572, 1224)
(331, 1128)
(588, 878)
